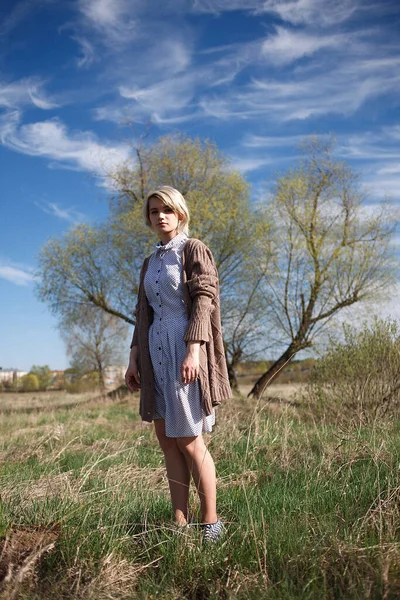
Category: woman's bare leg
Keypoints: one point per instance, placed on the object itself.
(202, 468)
(177, 472)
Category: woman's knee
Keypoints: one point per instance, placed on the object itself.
(167, 444)
(191, 445)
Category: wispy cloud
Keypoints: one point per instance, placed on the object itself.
(71, 215)
(315, 12)
(249, 164)
(114, 19)
(219, 6)
(52, 140)
(16, 273)
(340, 88)
(24, 92)
(287, 45)
(88, 53)
(271, 141)
(170, 95)
(292, 11)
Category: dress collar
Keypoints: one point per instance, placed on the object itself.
(174, 243)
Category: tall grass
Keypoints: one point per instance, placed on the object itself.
(311, 510)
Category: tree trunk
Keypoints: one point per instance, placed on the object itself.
(232, 377)
(231, 365)
(101, 377)
(266, 378)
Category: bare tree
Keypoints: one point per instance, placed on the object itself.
(95, 340)
(330, 251)
(98, 266)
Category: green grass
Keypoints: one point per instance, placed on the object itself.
(312, 512)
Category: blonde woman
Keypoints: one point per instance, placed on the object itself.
(177, 356)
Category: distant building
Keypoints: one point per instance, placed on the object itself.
(10, 375)
(114, 375)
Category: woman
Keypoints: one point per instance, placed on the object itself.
(177, 356)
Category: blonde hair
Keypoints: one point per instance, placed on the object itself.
(174, 200)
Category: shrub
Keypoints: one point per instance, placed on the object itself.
(359, 377)
(30, 383)
(78, 384)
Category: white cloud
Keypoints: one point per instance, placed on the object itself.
(88, 55)
(168, 95)
(15, 273)
(341, 88)
(379, 155)
(52, 140)
(249, 164)
(314, 12)
(286, 45)
(218, 6)
(66, 214)
(262, 141)
(25, 92)
(112, 18)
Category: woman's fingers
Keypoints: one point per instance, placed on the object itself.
(189, 374)
(132, 379)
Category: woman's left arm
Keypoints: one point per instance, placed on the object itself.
(203, 288)
(191, 364)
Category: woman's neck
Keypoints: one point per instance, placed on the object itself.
(168, 237)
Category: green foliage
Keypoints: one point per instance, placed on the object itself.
(43, 374)
(328, 251)
(287, 265)
(30, 383)
(80, 382)
(359, 376)
(310, 512)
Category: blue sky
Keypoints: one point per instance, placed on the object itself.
(255, 80)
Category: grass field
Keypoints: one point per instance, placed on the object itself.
(311, 511)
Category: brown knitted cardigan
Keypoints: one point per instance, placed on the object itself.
(201, 295)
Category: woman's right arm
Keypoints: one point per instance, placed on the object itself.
(132, 375)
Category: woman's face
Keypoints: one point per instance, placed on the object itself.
(164, 221)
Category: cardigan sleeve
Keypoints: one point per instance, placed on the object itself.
(137, 310)
(203, 290)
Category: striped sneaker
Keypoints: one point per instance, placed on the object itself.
(212, 532)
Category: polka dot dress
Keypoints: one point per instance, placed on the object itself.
(177, 403)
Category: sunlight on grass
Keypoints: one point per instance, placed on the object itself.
(311, 511)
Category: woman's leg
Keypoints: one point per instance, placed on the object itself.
(177, 472)
(201, 466)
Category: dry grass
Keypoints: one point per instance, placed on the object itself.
(30, 402)
(312, 511)
(284, 391)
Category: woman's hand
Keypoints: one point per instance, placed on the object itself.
(132, 375)
(191, 365)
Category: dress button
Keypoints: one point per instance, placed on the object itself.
(157, 294)
(160, 319)
(159, 347)
(159, 306)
